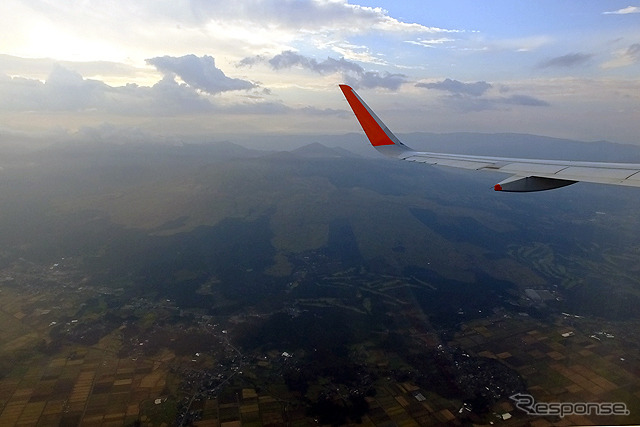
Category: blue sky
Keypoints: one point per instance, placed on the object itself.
(163, 70)
(511, 18)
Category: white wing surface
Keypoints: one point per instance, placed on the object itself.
(527, 174)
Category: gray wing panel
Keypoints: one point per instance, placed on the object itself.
(603, 173)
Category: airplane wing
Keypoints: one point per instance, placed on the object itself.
(527, 174)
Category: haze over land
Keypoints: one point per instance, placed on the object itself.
(196, 273)
(298, 195)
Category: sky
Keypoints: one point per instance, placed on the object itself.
(175, 70)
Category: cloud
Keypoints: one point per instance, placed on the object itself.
(430, 42)
(93, 30)
(66, 91)
(352, 52)
(352, 73)
(568, 60)
(633, 52)
(200, 73)
(373, 79)
(525, 100)
(41, 67)
(624, 57)
(468, 97)
(167, 97)
(466, 104)
(518, 44)
(457, 87)
(624, 11)
(324, 16)
(317, 16)
(330, 65)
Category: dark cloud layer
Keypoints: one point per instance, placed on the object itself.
(467, 97)
(633, 52)
(352, 73)
(467, 104)
(330, 65)
(565, 61)
(455, 86)
(200, 73)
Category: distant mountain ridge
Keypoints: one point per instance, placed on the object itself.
(350, 145)
(489, 144)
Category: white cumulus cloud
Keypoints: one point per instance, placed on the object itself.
(624, 11)
(200, 73)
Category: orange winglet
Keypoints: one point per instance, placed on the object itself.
(374, 131)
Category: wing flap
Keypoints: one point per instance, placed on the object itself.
(532, 168)
(530, 183)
